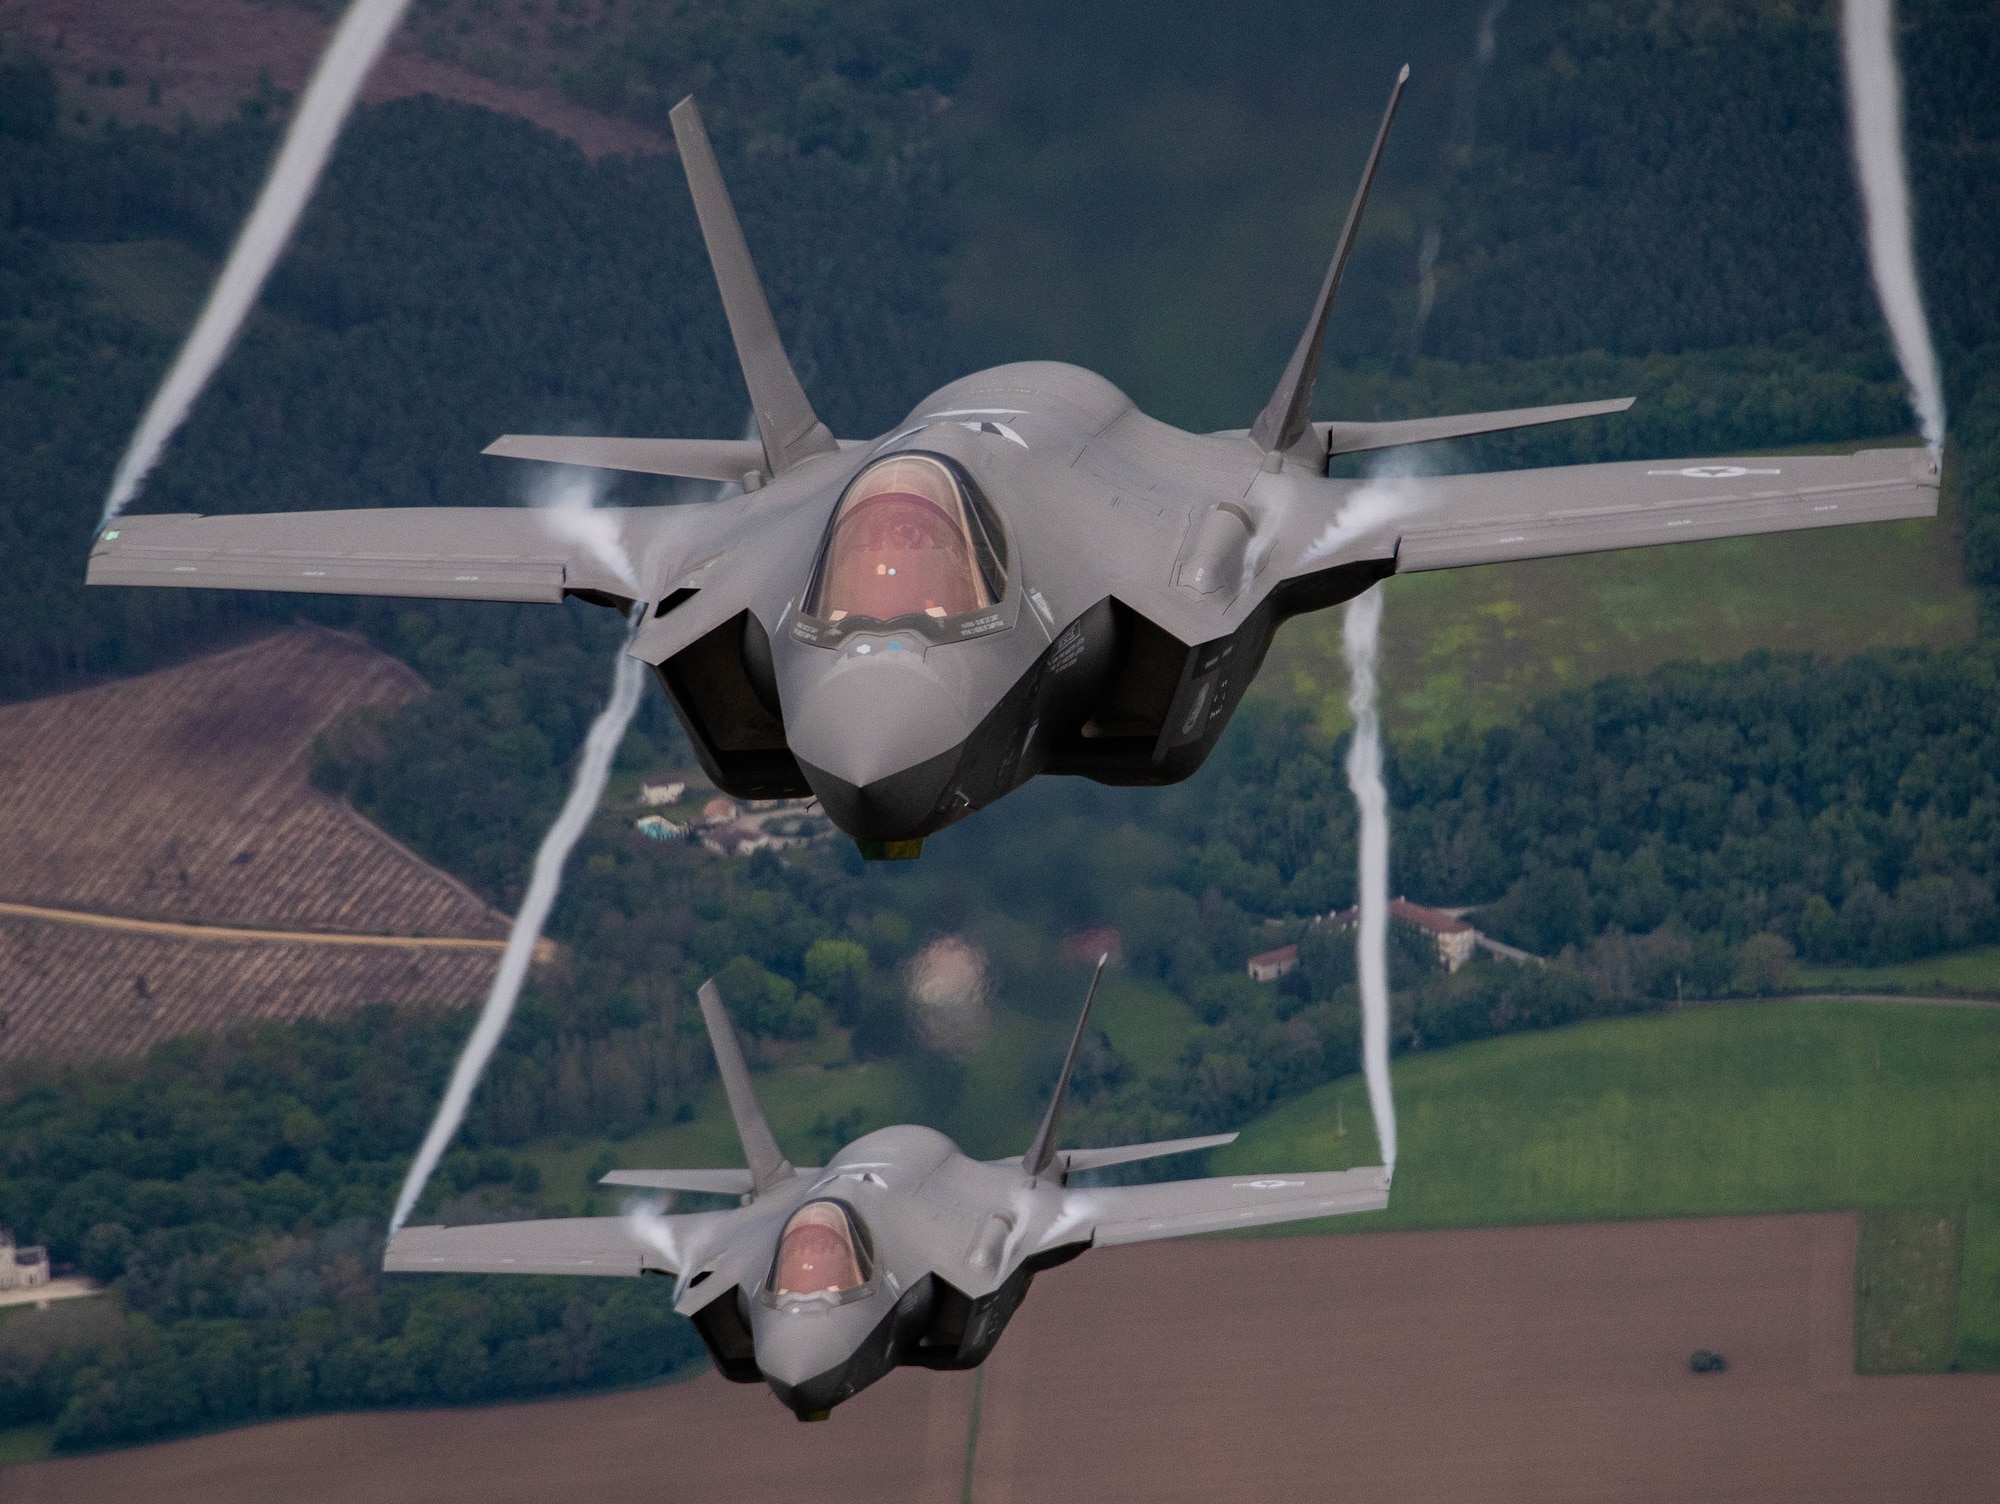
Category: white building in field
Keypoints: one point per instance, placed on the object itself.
(22, 1268)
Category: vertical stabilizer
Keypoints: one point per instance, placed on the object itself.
(785, 420)
(1042, 1152)
(1283, 424)
(767, 1166)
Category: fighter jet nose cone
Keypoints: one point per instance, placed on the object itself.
(803, 1350)
(878, 737)
(814, 1359)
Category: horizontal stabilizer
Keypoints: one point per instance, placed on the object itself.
(562, 1245)
(1183, 1208)
(1357, 438)
(692, 459)
(714, 1182)
(1068, 1160)
(1449, 521)
(1125, 1154)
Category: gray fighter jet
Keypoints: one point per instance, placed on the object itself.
(900, 1251)
(1027, 575)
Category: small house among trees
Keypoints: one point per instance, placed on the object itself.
(1273, 964)
(1453, 936)
(22, 1268)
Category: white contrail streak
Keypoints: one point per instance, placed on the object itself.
(599, 747)
(1361, 637)
(329, 98)
(1875, 116)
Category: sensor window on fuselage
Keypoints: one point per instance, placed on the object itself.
(907, 540)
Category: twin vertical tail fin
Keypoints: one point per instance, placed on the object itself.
(1042, 1151)
(1283, 426)
(790, 430)
(768, 1167)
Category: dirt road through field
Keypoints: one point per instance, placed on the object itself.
(278, 937)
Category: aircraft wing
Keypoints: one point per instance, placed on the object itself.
(558, 1245)
(1181, 1208)
(1455, 520)
(447, 553)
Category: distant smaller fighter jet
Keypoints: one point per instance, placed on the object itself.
(902, 1250)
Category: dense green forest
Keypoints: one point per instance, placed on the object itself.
(1631, 213)
(233, 1190)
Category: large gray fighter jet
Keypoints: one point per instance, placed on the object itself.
(900, 1251)
(1027, 575)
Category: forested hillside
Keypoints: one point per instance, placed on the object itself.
(1682, 174)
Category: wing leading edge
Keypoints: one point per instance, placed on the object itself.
(557, 1245)
(443, 553)
(1183, 1208)
(1448, 522)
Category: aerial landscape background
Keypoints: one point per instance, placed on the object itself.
(1727, 773)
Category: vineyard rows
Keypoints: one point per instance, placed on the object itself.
(185, 796)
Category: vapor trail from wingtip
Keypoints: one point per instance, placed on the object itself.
(1360, 641)
(544, 882)
(569, 502)
(363, 32)
(1875, 118)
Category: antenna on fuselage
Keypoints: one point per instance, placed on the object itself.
(1042, 1150)
(1283, 423)
(768, 1167)
(791, 431)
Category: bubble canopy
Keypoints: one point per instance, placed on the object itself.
(822, 1254)
(911, 542)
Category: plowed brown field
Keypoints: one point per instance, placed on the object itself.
(1529, 1364)
(184, 796)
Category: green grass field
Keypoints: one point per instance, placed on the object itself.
(1966, 973)
(1797, 1106)
(1906, 1275)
